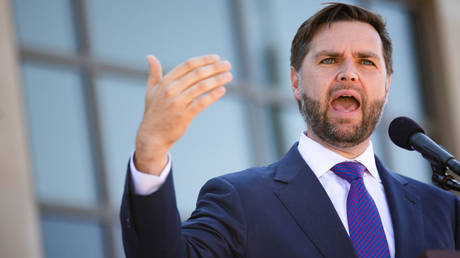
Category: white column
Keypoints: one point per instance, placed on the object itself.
(19, 230)
(447, 14)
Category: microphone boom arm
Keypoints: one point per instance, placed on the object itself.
(444, 180)
(425, 145)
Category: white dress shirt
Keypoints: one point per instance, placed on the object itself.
(320, 160)
(145, 184)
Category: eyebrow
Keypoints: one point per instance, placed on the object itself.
(360, 54)
(330, 53)
(367, 54)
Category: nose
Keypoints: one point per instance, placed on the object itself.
(347, 73)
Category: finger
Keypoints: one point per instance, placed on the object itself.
(155, 71)
(198, 75)
(205, 86)
(204, 101)
(187, 66)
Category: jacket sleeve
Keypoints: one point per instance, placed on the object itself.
(457, 223)
(151, 225)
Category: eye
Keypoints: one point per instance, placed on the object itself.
(366, 62)
(329, 60)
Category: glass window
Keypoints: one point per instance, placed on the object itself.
(119, 250)
(71, 238)
(292, 126)
(217, 142)
(49, 26)
(121, 105)
(267, 126)
(172, 30)
(59, 138)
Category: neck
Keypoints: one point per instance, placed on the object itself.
(350, 152)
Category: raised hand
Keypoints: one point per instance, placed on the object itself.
(171, 103)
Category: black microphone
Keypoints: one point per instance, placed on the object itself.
(407, 134)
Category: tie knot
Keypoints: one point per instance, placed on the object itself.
(349, 170)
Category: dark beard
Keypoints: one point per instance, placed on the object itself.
(330, 132)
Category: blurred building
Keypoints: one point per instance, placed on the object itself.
(73, 76)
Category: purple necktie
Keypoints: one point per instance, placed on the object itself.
(364, 224)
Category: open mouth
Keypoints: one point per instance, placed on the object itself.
(345, 102)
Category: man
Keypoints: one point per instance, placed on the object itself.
(329, 196)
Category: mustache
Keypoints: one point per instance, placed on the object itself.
(345, 86)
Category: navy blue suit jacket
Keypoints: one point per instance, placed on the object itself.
(280, 211)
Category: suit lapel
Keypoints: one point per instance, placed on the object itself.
(308, 203)
(406, 213)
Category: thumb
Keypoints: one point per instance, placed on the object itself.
(155, 71)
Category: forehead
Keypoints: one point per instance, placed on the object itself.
(346, 35)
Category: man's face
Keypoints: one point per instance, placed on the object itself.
(343, 83)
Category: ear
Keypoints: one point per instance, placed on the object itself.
(387, 88)
(295, 83)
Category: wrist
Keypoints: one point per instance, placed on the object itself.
(150, 164)
(150, 158)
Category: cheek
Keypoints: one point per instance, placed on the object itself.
(316, 84)
(375, 85)
(314, 90)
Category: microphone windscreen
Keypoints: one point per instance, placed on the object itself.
(401, 129)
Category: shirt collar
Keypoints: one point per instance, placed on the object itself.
(321, 159)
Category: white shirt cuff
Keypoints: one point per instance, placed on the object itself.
(145, 184)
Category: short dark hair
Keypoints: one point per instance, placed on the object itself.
(336, 12)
